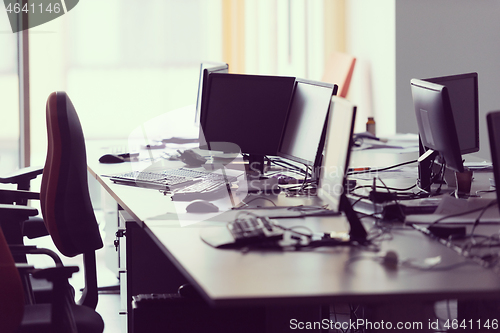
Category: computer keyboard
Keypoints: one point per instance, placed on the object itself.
(170, 180)
(254, 230)
(207, 189)
(166, 179)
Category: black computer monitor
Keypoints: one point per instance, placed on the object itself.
(493, 121)
(436, 127)
(335, 165)
(247, 110)
(464, 100)
(207, 68)
(303, 136)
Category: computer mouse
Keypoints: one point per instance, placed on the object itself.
(201, 206)
(390, 259)
(191, 158)
(111, 158)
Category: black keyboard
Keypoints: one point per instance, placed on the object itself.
(163, 180)
(254, 230)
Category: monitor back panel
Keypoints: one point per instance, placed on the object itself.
(306, 118)
(205, 70)
(436, 122)
(493, 121)
(337, 151)
(464, 101)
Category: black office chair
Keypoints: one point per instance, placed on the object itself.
(62, 315)
(65, 201)
(64, 194)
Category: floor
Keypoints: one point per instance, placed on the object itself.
(108, 307)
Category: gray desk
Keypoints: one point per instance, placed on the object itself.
(316, 277)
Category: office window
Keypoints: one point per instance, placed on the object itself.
(123, 64)
(126, 62)
(281, 37)
(9, 102)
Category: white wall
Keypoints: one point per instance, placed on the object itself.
(445, 37)
(371, 39)
(396, 41)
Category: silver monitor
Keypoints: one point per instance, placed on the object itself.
(301, 141)
(207, 68)
(337, 151)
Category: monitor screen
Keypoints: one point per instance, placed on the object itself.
(337, 152)
(305, 122)
(435, 121)
(247, 110)
(463, 92)
(493, 121)
(206, 68)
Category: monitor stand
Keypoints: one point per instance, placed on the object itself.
(256, 181)
(425, 160)
(461, 180)
(256, 164)
(357, 232)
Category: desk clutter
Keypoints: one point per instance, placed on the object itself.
(250, 231)
(315, 135)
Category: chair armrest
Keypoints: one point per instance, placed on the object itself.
(22, 177)
(20, 248)
(57, 275)
(24, 267)
(17, 196)
(32, 249)
(16, 212)
(54, 274)
(34, 227)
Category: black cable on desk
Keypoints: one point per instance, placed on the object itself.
(357, 200)
(303, 209)
(382, 169)
(441, 172)
(304, 182)
(254, 199)
(476, 222)
(464, 213)
(291, 229)
(385, 187)
(289, 166)
(485, 260)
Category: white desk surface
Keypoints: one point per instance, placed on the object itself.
(231, 277)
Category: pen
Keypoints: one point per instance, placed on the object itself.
(359, 169)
